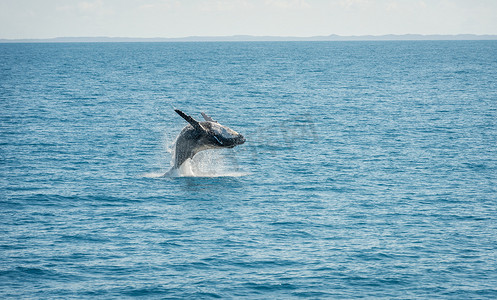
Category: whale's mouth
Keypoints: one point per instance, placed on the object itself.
(230, 143)
(237, 141)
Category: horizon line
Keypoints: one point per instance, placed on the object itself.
(257, 38)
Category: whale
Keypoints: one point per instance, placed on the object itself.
(199, 136)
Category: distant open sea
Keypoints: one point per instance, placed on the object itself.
(369, 171)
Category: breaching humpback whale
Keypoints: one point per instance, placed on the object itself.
(199, 136)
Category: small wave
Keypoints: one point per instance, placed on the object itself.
(153, 175)
(28, 273)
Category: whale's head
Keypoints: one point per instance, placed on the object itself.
(222, 136)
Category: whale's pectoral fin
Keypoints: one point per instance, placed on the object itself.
(189, 119)
(207, 118)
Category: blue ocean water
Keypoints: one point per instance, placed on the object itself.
(369, 171)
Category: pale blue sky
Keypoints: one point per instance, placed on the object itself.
(174, 18)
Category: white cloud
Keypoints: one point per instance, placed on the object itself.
(96, 7)
(160, 5)
(355, 4)
(90, 6)
(288, 4)
(225, 5)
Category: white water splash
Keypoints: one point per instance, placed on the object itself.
(208, 163)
